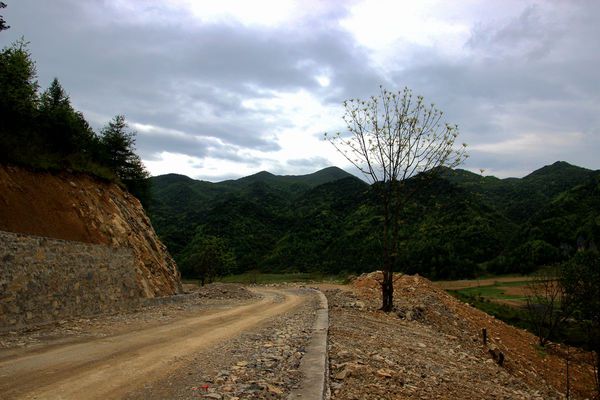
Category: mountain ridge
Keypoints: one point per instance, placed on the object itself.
(551, 169)
(461, 224)
(332, 172)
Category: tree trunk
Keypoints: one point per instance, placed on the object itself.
(387, 289)
(390, 234)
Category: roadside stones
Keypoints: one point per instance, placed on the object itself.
(220, 291)
(267, 362)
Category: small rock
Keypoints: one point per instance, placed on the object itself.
(274, 389)
(386, 373)
(342, 374)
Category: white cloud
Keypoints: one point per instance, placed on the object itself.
(533, 143)
(323, 80)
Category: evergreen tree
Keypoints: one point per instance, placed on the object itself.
(18, 101)
(65, 130)
(118, 143)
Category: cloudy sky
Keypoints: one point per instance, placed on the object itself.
(223, 89)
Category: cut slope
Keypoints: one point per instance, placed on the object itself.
(80, 208)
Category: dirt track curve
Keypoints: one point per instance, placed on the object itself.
(113, 366)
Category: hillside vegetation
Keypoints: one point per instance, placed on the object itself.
(461, 224)
(42, 131)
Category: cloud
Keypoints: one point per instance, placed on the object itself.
(531, 35)
(531, 144)
(319, 162)
(236, 89)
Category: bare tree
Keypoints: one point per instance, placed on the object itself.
(547, 305)
(391, 138)
(580, 277)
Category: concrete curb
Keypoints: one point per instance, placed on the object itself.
(315, 364)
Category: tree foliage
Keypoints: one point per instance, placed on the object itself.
(44, 131)
(18, 94)
(3, 25)
(454, 226)
(581, 281)
(65, 130)
(118, 147)
(207, 257)
(548, 306)
(390, 138)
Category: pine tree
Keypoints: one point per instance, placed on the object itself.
(65, 130)
(18, 100)
(118, 143)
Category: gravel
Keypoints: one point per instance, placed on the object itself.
(258, 364)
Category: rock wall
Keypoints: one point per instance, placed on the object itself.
(82, 208)
(44, 279)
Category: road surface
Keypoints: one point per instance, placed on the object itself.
(113, 366)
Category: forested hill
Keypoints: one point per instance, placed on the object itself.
(458, 225)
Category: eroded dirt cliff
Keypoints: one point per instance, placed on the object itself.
(81, 208)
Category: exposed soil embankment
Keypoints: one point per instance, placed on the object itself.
(84, 209)
(431, 347)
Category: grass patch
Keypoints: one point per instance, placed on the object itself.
(490, 292)
(511, 315)
(516, 283)
(572, 333)
(495, 290)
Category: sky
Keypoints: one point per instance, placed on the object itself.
(223, 89)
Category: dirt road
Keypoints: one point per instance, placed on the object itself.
(113, 366)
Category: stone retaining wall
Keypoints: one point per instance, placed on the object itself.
(43, 280)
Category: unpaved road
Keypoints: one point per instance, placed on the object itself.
(113, 366)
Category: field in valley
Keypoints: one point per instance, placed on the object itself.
(507, 290)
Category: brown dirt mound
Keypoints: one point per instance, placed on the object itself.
(416, 298)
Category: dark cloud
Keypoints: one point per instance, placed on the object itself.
(520, 78)
(191, 78)
(189, 81)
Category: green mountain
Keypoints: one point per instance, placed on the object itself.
(517, 198)
(252, 211)
(295, 183)
(459, 224)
